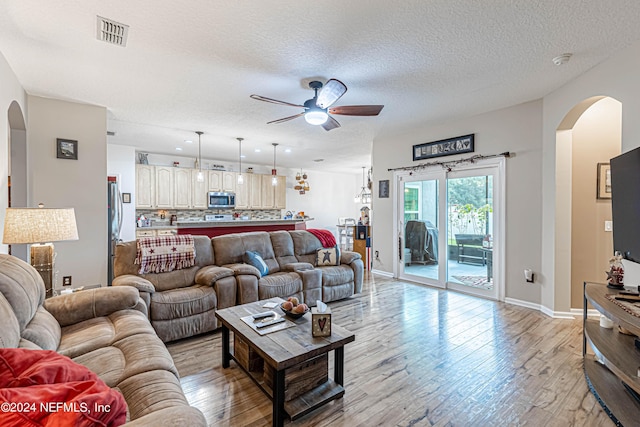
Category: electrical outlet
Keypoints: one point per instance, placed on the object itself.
(66, 281)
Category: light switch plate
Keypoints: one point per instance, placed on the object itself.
(608, 226)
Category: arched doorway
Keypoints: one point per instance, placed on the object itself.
(590, 134)
(17, 167)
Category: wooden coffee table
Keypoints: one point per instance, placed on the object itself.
(284, 349)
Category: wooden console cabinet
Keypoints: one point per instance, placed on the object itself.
(615, 361)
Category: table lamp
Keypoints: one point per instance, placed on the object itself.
(39, 227)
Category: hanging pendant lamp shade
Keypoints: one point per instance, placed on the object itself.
(364, 196)
(274, 173)
(240, 177)
(200, 176)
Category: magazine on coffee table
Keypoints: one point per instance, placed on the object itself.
(270, 322)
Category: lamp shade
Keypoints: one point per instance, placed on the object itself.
(39, 225)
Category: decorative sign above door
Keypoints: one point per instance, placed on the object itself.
(444, 147)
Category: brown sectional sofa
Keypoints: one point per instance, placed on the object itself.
(106, 330)
(182, 303)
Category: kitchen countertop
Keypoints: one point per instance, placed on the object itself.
(238, 222)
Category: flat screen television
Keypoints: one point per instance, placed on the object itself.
(625, 204)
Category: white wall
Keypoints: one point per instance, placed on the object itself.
(516, 129)
(121, 163)
(10, 90)
(80, 184)
(616, 77)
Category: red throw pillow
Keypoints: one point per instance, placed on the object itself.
(44, 388)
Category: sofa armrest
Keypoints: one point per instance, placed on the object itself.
(347, 257)
(141, 284)
(84, 305)
(240, 269)
(210, 274)
(297, 266)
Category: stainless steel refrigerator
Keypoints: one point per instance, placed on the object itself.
(114, 221)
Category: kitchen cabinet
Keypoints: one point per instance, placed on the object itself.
(215, 180)
(255, 190)
(164, 187)
(182, 183)
(273, 196)
(242, 193)
(145, 186)
(141, 232)
(199, 190)
(229, 180)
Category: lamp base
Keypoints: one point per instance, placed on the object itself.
(42, 260)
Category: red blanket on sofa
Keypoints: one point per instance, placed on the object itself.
(325, 236)
(44, 388)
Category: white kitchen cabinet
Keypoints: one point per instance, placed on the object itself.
(164, 187)
(199, 190)
(145, 186)
(267, 192)
(255, 190)
(280, 197)
(182, 188)
(215, 180)
(242, 193)
(229, 180)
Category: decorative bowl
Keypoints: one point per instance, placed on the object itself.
(293, 314)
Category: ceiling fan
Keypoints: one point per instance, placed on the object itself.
(317, 109)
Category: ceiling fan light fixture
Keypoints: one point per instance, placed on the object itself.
(316, 117)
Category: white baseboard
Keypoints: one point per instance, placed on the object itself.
(383, 273)
(591, 312)
(541, 308)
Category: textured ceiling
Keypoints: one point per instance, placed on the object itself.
(192, 65)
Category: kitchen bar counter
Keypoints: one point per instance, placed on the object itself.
(218, 228)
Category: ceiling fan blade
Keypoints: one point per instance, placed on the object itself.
(357, 110)
(331, 123)
(330, 93)
(274, 101)
(286, 119)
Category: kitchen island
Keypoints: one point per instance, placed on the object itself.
(218, 228)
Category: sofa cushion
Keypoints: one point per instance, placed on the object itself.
(182, 302)
(254, 259)
(22, 286)
(43, 330)
(230, 248)
(336, 275)
(279, 285)
(10, 330)
(328, 256)
(283, 247)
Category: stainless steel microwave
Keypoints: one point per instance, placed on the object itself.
(221, 200)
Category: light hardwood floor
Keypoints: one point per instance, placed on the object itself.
(422, 357)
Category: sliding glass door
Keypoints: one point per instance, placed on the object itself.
(447, 229)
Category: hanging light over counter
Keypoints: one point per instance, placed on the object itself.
(240, 177)
(274, 172)
(364, 196)
(200, 176)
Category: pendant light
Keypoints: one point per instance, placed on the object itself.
(364, 196)
(274, 178)
(200, 176)
(240, 177)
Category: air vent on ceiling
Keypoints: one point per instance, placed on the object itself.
(111, 31)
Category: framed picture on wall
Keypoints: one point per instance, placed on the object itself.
(604, 181)
(66, 149)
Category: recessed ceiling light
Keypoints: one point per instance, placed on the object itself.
(178, 148)
(287, 150)
(257, 150)
(188, 141)
(243, 156)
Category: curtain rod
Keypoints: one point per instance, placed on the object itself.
(451, 163)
